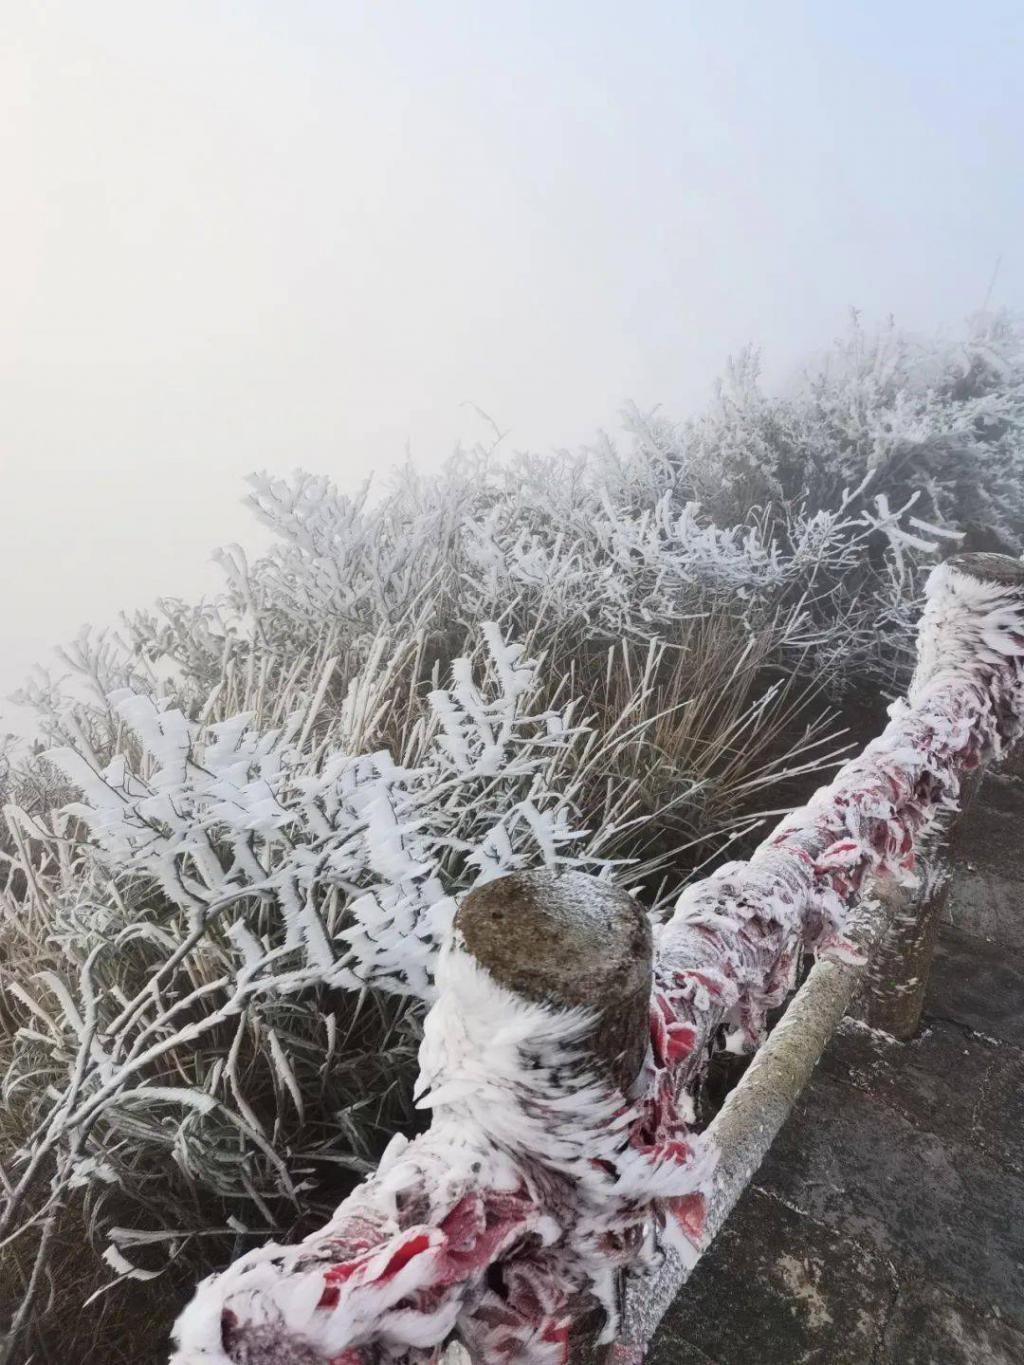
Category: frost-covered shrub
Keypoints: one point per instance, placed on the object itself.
(255, 812)
(195, 1050)
(942, 420)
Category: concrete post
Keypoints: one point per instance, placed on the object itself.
(897, 979)
(568, 941)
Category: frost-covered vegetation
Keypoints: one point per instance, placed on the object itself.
(245, 818)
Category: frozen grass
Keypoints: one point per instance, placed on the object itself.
(256, 811)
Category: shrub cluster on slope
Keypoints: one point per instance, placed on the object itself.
(253, 811)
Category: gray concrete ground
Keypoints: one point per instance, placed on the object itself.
(887, 1225)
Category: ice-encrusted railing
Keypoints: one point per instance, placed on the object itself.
(561, 1195)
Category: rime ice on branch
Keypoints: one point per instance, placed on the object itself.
(560, 1155)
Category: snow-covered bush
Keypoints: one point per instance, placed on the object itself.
(254, 813)
(942, 420)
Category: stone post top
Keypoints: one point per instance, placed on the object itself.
(569, 941)
(558, 935)
(989, 568)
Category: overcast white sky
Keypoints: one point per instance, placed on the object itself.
(268, 234)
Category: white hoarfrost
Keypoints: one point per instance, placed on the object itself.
(220, 813)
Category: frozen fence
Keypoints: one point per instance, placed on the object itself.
(561, 1194)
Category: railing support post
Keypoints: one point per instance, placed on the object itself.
(897, 979)
(568, 942)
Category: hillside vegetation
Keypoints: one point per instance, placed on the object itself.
(246, 819)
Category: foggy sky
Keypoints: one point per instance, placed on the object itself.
(237, 236)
